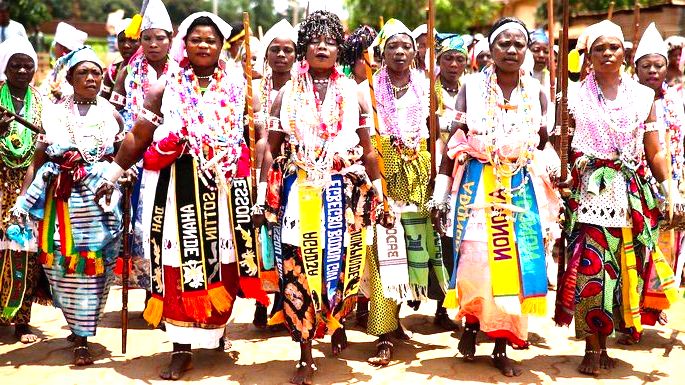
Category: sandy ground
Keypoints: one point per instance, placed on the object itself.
(261, 357)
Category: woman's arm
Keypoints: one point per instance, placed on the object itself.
(39, 159)
(118, 95)
(656, 156)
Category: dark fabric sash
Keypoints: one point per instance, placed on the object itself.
(156, 234)
(245, 241)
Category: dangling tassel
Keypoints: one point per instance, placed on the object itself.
(221, 300)
(536, 306)
(252, 288)
(332, 324)
(277, 319)
(133, 29)
(451, 301)
(154, 310)
(197, 305)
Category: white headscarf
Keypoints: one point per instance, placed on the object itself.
(604, 28)
(651, 42)
(121, 25)
(14, 45)
(391, 28)
(282, 29)
(178, 46)
(156, 16)
(69, 37)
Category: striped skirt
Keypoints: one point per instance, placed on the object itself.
(81, 298)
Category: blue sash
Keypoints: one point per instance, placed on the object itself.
(334, 209)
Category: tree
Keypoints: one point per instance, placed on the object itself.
(30, 13)
(450, 16)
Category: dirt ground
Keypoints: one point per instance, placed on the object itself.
(261, 357)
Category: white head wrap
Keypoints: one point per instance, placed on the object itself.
(510, 25)
(675, 42)
(468, 39)
(651, 42)
(69, 37)
(156, 16)
(14, 45)
(628, 44)
(421, 30)
(178, 46)
(478, 37)
(282, 29)
(391, 28)
(481, 46)
(121, 25)
(604, 28)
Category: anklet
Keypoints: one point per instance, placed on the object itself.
(593, 351)
(498, 355)
(474, 331)
(386, 343)
(304, 365)
(80, 348)
(181, 352)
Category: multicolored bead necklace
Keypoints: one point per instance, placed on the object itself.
(139, 85)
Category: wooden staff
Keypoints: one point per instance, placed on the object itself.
(22, 121)
(563, 135)
(636, 31)
(669, 168)
(552, 64)
(126, 260)
(248, 104)
(381, 21)
(376, 126)
(611, 10)
(432, 118)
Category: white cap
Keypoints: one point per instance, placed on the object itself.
(478, 37)
(14, 45)
(468, 39)
(421, 30)
(604, 28)
(121, 25)
(282, 29)
(628, 44)
(69, 37)
(156, 16)
(651, 42)
(675, 42)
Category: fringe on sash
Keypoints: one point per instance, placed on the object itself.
(154, 310)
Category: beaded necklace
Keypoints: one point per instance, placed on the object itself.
(314, 123)
(211, 122)
(497, 133)
(266, 86)
(17, 144)
(91, 151)
(139, 85)
(439, 88)
(410, 137)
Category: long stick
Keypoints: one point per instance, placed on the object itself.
(552, 64)
(432, 118)
(126, 259)
(636, 30)
(669, 167)
(22, 121)
(248, 104)
(563, 139)
(611, 10)
(381, 21)
(374, 109)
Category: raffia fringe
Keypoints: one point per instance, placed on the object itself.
(252, 288)
(536, 306)
(451, 300)
(397, 293)
(332, 324)
(197, 305)
(153, 311)
(420, 293)
(277, 319)
(220, 299)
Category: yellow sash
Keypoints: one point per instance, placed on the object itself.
(630, 297)
(310, 200)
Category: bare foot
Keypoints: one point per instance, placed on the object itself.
(606, 362)
(23, 333)
(180, 362)
(303, 374)
(338, 341)
(401, 333)
(506, 365)
(467, 342)
(663, 318)
(590, 363)
(383, 354)
(82, 356)
(444, 321)
(71, 338)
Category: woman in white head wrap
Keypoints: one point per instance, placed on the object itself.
(495, 144)
(278, 55)
(651, 63)
(67, 39)
(613, 215)
(195, 117)
(127, 46)
(674, 75)
(18, 64)
(79, 238)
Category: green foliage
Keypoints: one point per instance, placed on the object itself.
(450, 15)
(580, 6)
(30, 13)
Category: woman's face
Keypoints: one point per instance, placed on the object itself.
(483, 59)
(651, 70)
(452, 65)
(322, 52)
(127, 46)
(155, 44)
(86, 78)
(399, 52)
(281, 55)
(540, 53)
(422, 47)
(607, 54)
(508, 50)
(20, 70)
(674, 57)
(203, 46)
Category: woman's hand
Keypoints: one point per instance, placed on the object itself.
(439, 219)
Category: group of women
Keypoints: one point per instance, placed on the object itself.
(349, 206)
